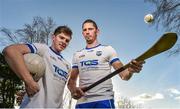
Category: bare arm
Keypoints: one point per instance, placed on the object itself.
(76, 92)
(73, 79)
(127, 74)
(14, 57)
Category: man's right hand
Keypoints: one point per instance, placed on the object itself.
(32, 88)
(77, 93)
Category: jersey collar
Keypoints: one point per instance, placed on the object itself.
(93, 47)
(57, 53)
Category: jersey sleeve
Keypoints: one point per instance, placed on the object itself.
(74, 61)
(113, 57)
(37, 48)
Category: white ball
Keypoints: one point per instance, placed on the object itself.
(148, 18)
(35, 64)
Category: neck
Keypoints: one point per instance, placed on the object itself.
(55, 49)
(95, 43)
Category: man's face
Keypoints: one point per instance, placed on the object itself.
(60, 41)
(90, 32)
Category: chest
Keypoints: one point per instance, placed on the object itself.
(57, 66)
(93, 57)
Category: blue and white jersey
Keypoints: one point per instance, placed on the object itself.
(53, 82)
(94, 64)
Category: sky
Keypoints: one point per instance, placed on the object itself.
(122, 26)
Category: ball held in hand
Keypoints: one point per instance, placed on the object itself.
(35, 64)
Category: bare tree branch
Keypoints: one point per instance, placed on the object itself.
(167, 16)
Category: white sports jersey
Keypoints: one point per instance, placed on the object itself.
(94, 64)
(53, 82)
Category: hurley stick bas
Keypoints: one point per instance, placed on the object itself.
(164, 43)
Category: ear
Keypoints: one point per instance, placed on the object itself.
(53, 37)
(98, 32)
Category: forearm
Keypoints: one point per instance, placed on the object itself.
(76, 92)
(71, 85)
(126, 74)
(15, 60)
(134, 67)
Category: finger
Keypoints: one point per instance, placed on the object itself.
(138, 62)
(29, 95)
(81, 92)
(75, 96)
(134, 62)
(142, 62)
(134, 70)
(136, 66)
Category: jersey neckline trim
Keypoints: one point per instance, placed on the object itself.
(59, 54)
(93, 47)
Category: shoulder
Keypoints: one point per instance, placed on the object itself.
(41, 45)
(81, 50)
(107, 47)
(41, 48)
(37, 45)
(109, 50)
(78, 52)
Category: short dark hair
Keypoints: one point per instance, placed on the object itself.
(63, 29)
(90, 21)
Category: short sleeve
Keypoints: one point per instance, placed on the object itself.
(37, 48)
(113, 57)
(74, 61)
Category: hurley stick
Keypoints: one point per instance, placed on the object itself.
(164, 43)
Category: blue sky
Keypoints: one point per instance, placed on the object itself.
(122, 26)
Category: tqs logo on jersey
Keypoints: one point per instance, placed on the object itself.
(60, 72)
(89, 63)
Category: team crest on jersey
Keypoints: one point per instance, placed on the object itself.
(99, 53)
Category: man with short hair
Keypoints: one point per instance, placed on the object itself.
(48, 91)
(93, 63)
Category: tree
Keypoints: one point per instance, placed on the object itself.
(38, 31)
(9, 84)
(167, 15)
(126, 103)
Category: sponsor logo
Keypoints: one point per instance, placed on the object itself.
(89, 63)
(81, 56)
(60, 72)
(53, 58)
